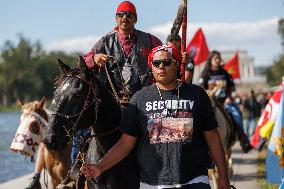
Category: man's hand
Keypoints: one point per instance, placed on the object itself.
(90, 171)
(100, 59)
(185, 58)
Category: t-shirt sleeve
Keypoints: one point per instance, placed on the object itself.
(129, 123)
(207, 116)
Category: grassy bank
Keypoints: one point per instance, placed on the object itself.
(13, 108)
(262, 183)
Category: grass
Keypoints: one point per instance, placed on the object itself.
(12, 108)
(262, 183)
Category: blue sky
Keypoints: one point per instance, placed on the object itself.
(76, 25)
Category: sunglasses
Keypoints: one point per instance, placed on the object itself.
(128, 14)
(166, 62)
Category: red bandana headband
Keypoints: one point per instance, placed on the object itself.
(171, 49)
(126, 6)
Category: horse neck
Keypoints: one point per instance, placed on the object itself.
(61, 155)
(109, 110)
(108, 120)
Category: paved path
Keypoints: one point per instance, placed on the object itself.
(245, 169)
(244, 177)
(21, 182)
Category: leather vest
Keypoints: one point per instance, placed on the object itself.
(131, 71)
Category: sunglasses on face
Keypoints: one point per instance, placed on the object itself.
(128, 14)
(166, 62)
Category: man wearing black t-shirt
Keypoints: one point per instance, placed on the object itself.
(172, 123)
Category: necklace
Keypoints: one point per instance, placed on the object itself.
(166, 112)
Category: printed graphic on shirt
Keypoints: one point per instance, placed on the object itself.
(170, 129)
(173, 121)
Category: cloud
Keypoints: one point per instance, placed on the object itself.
(79, 44)
(259, 38)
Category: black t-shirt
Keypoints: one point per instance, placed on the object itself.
(171, 148)
(219, 75)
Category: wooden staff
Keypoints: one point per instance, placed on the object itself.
(183, 37)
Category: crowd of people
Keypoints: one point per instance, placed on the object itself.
(145, 77)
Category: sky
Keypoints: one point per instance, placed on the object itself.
(72, 25)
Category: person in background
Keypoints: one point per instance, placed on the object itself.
(218, 82)
(254, 110)
(214, 75)
(172, 131)
(186, 59)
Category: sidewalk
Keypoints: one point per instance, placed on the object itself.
(22, 182)
(245, 168)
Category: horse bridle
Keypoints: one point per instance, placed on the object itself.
(86, 105)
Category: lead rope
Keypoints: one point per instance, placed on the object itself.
(111, 84)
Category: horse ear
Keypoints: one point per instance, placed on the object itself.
(41, 103)
(20, 102)
(63, 67)
(82, 65)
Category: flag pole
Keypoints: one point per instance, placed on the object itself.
(183, 37)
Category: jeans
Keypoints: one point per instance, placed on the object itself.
(250, 126)
(76, 142)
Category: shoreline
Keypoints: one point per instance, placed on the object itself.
(23, 181)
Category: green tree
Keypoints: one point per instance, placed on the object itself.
(16, 79)
(276, 71)
(27, 71)
(46, 67)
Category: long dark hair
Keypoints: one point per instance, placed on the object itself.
(207, 67)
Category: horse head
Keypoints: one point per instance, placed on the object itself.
(33, 124)
(76, 104)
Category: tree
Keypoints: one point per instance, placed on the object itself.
(276, 71)
(27, 71)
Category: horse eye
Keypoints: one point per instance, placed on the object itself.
(34, 128)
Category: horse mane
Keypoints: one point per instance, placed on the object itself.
(72, 72)
(33, 107)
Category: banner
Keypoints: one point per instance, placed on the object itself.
(197, 48)
(275, 149)
(266, 121)
(232, 66)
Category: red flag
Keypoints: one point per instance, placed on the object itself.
(232, 67)
(197, 47)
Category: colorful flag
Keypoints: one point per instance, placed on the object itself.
(232, 66)
(275, 149)
(197, 48)
(266, 121)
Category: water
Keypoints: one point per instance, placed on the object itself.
(12, 164)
